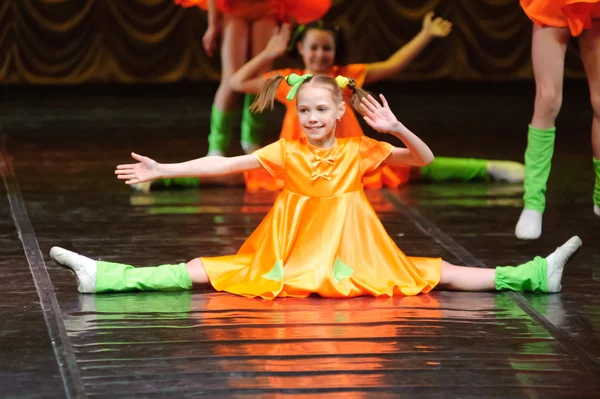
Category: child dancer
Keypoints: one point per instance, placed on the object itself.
(245, 26)
(321, 236)
(319, 45)
(554, 22)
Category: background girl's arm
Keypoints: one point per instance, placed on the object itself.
(432, 28)
(249, 79)
(381, 118)
(148, 169)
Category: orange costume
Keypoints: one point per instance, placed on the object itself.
(348, 126)
(577, 15)
(300, 11)
(322, 236)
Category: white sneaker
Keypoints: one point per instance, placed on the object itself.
(506, 171)
(142, 187)
(557, 261)
(83, 267)
(529, 226)
(249, 148)
(597, 210)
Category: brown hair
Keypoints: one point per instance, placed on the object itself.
(266, 96)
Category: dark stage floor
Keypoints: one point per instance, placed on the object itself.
(59, 149)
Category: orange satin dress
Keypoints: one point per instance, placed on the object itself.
(322, 236)
(299, 11)
(348, 126)
(577, 15)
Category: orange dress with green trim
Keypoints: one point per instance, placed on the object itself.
(577, 15)
(300, 11)
(348, 126)
(322, 236)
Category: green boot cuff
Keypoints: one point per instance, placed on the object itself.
(597, 184)
(119, 277)
(529, 277)
(221, 126)
(252, 123)
(463, 169)
(538, 161)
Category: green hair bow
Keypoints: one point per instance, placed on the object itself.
(295, 81)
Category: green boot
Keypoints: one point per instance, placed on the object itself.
(99, 276)
(538, 160)
(252, 126)
(541, 275)
(221, 126)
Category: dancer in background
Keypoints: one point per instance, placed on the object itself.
(554, 23)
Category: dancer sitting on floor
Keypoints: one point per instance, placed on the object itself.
(321, 236)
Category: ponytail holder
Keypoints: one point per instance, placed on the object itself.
(295, 81)
(342, 81)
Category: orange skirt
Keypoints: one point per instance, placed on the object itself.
(300, 11)
(577, 15)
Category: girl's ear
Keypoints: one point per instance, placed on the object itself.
(299, 48)
(341, 110)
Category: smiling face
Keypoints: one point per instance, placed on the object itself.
(319, 109)
(317, 49)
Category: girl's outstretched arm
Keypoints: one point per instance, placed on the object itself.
(381, 118)
(249, 79)
(432, 28)
(148, 169)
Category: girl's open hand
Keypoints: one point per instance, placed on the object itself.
(144, 170)
(438, 27)
(278, 43)
(379, 116)
(210, 39)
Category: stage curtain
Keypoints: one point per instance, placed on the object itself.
(155, 41)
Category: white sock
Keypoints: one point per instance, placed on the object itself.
(597, 210)
(529, 226)
(249, 148)
(508, 171)
(142, 187)
(215, 153)
(83, 267)
(557, 261)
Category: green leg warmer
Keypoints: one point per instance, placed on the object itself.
(118, 277)
(597, 185)
(220, 129)
(464, 169)
(529, 277)
(252, 123)
(538, 160)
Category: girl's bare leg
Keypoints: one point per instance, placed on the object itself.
(196, 270)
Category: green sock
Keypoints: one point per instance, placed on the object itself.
(252, 123)
(529, 277)
(119, 277)
(597, 185)
(538, 160)
(464, 169)
(220, 129)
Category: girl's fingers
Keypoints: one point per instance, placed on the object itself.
(132, 181)
(126, 177)
(137, 156)
(123, 171)
(365, 110)
(368, 120)
(383, 101)
(369, 102)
